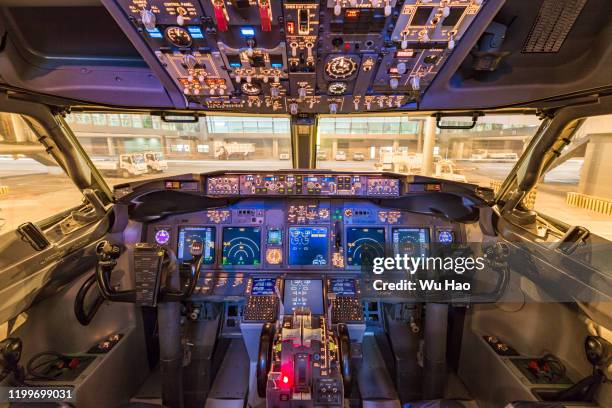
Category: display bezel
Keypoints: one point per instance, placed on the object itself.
(261, 248)
(329, 285)
(268, 278)
(214, 235)
(410, 227)
(362, 226)
(307, 267)
(287, 310)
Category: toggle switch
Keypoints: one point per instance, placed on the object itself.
(148, 19)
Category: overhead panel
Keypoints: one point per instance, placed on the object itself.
(301, 56)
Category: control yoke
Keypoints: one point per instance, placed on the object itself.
(154, 267)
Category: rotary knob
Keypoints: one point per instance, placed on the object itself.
(393, 83)
(401, 68)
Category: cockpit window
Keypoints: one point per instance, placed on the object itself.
(133, 146)
(576, 188)
(33, 187)
(484, 155)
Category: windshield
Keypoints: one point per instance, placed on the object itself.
(212, 143)
(405, 144)
(483, 155)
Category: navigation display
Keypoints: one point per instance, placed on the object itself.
(304, 293)
(410, 241)
(342, 286)
(363, 245)
(188, 234)
(263, 286)
(308, 246)
(241, 246)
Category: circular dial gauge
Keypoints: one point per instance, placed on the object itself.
(178, 36)
(341, 67)
(274, 256)
(337, 88)
(162, 236)
(250, 88)
(445, 237)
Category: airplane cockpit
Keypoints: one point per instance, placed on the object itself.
(305, 203)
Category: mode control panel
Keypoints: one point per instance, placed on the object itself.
(309, 184)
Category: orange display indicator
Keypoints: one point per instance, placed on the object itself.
(405, 54)
(290, 27)
(352, 13)
(393, 70)
(173, 185)
(432, 187)
(214, 81)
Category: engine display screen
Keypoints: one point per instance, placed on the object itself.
(342, 286)
(305, 293)
(308, 246)
(189, 234)
(410, 241)
(241, 246)
(363, 245)
(263, 286)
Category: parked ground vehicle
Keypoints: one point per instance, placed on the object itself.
(446, 169)
(479, 154)
(233, 151)
(321, 155)
(503, 156)
(340, 156)
(358, 156)
(284, 156)
(155, 162)
(126, 165)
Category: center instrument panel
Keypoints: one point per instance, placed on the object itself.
(298, 56)
(286, 228)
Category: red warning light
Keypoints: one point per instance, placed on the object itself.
(286, 372)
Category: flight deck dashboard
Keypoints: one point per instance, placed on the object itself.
(333, 229)
(262, 233)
